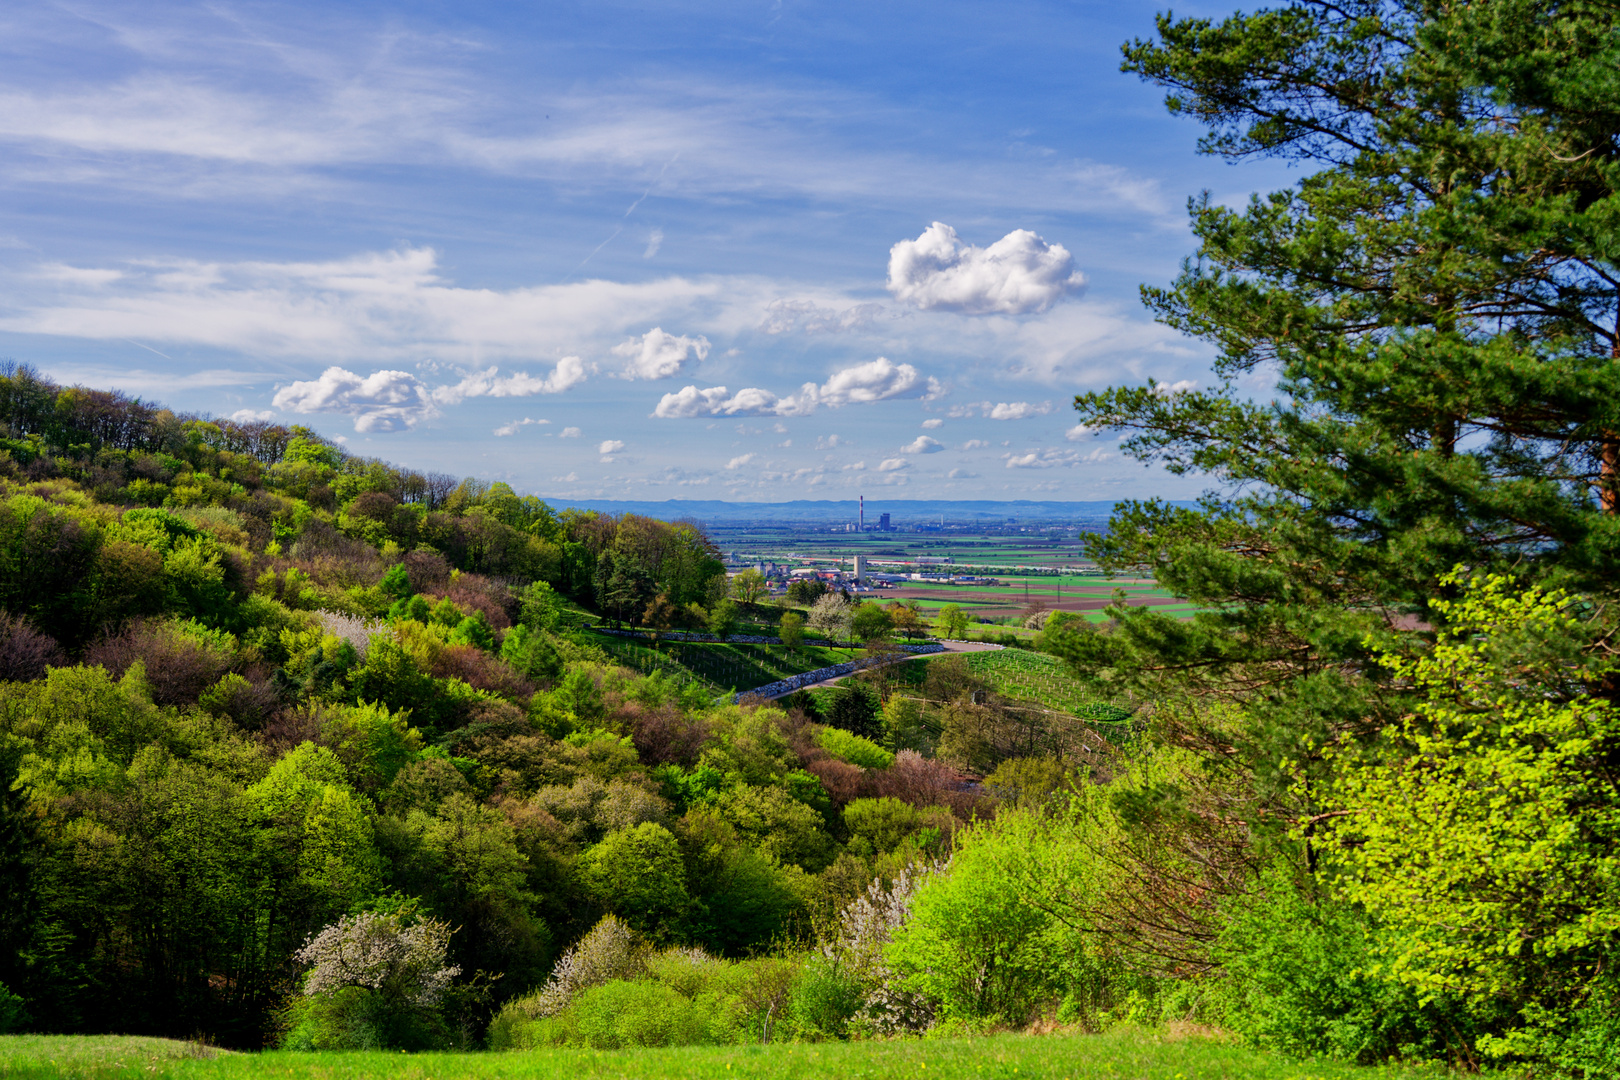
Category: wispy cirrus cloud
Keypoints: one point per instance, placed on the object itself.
(381, 306)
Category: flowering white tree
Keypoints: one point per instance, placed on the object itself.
(357, 631)
(829, 615)
(610, 951)
(857, 948)
(402, 962)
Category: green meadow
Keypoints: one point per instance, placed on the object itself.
(1122, 1054)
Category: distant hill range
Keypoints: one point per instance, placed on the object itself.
(903, 513)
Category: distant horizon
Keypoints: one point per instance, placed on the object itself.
(906, 512)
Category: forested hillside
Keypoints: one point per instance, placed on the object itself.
(255, 685)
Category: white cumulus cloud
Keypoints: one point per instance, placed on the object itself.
(512, 428)
(1017, 275)
(1018, 410)
(568, 433)
(930, 425)
(1001, 410)
(922, 444)
(893, 464)
(247, 416)
(1180, 386)
(569, 372)
(739, 462)
(610, 446)
(1079, 432)
(381, 401)
(876, 380)
(975, 444)
(658, 354)
(1053, 457)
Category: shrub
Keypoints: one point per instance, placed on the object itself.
(540, 607)
(13, 1012)
(974, 946)
(857, 950)
(396, 583)
(823, 1001)
(855, 709)
(474, 630)
(853, 748)
(778, 825)
(25, 653)
(532, 654)
(179, 665)
(643, 1013)
(611, 950)
(881, 825)
(1297, 980)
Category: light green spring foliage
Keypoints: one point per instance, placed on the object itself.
(981, 943)
(854, 749)
(1482, 833)
(1296, 976)
(637, 874)
(951, 622)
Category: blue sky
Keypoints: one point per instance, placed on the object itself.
(750, 251)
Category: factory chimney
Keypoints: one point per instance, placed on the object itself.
(861, 527)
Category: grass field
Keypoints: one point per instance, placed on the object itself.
(1124, 1054)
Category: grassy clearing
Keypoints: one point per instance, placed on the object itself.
(1125, 1054)
(94, 1055)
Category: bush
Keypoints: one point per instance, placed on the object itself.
(13, 1014)
(823, 1001)
(854, 749)
(644, 1013)
(975, 947)
(1297, 980)
(637, 874)
(610, 951)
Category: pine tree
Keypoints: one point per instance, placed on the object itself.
(1417, 343)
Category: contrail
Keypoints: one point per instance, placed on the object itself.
(656, 181)
(148, 348)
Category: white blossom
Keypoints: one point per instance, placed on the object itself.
(357, 631)
(610, 951)
(864, 929)
(381, 953)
